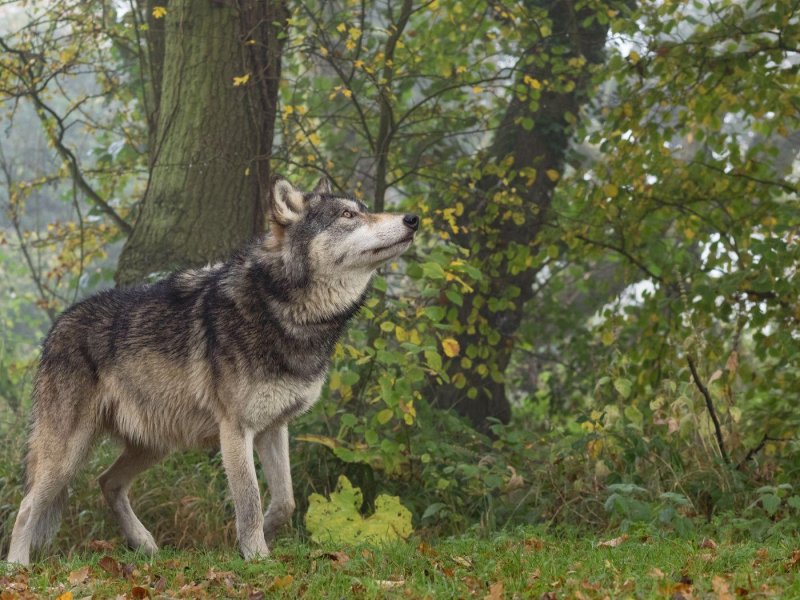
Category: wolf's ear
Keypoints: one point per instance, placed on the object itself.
(324, 186)
(287, 204)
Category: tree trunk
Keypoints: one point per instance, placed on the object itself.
(215, 114)
(487, 333)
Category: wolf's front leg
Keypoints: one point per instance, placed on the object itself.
(273, 452)
(236, 444)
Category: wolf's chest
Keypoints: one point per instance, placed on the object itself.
(275, 402)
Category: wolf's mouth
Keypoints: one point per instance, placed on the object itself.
(405, 240)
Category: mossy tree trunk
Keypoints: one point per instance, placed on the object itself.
(214, 126)
(532, 141)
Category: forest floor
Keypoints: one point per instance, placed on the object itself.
(526, 563)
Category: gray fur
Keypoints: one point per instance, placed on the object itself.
(226, 355)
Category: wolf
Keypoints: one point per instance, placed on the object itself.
(224, 356)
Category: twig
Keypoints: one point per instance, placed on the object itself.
(710, 406)
(756, 449)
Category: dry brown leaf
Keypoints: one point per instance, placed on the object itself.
(139, 593)
(656, 573)
(425, 549)
(462, 561)
(280, 583)
(709, 544)
(496, 591)
(534, 544)
(721, 588)
(537, 573)
(78, 576)
(110, 565)
(613, 543)
(794, 560)
(255, 595)
(388, 584)
(100, 546)
(548, 596)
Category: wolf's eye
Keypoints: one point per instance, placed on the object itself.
(348, 214)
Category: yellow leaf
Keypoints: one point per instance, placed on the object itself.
(347, 93)
(241, 80)
(534, 83)
(341, 27)
(65, 596)
(477, 89)
(323, 51)
(159, 12)
(633, 57)
(314, 139)
(552, 174)
(461, 69)
(451, 347)
(610, 190)
(282, 582)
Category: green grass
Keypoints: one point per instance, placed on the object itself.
(525, 563)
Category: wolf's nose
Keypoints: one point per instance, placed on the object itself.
(411, 221)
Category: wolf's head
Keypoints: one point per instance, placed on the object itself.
(324, 235)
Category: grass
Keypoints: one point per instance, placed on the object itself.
(525, 563)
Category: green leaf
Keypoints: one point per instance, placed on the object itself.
(337, 520)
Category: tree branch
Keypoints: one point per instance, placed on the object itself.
(710, 406)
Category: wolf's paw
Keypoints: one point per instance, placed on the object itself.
(254, 550)
(145, 544)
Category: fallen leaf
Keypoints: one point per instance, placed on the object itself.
(656, 573)
(138, 593)
(280, 583)
(78, 576)
(129, 570)
(548, 596)
(709, 544)
(425, 549)
(721, 588)
(100, 546)
(533, 544)
(794, 560)
(495, 591)
(160, 584)
(388, 584)
(255, 595)
(462, 561)
(613, 543)
(110, 565)
(65, 596)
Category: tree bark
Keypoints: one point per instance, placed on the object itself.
(491, 333)
(209, 172)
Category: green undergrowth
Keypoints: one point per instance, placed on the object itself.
(521, 563)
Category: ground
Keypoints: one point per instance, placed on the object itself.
(525, 563)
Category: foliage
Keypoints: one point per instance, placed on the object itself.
(339, 521)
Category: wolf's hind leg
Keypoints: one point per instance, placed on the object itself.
(53, 461)
(273, 452)
(116, 482)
